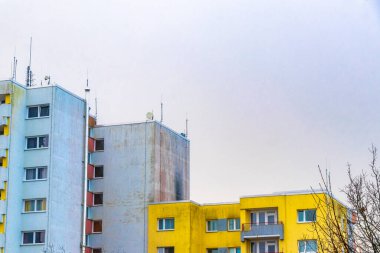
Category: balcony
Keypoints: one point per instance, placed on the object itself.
(3, 121)
(91, 145)
(262, 230)
(95, 240)
(2, 210)
(5, 110)
(3, 177)
(4, 142)
(2, 240)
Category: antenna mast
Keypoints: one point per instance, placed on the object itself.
(29, 75)
(162, 111)
(14, 72)
(187, 126)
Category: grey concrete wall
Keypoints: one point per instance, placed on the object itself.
(143, 162)
(67, 171)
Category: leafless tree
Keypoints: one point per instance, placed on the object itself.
(355, 228)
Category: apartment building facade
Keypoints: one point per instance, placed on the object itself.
(132, 165)
(80, 190)
(280, 222)
(41, 146)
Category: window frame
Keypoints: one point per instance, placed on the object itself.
(93, 198)
(164, 249)
(164, 224)
(207, 226)
(235, 222)
(37, 168)
(35, 205)
(37, 143)
(304, 215)
(234, 249)
(38, 111)
(93, 223)
(305, 242)
(98, 166)
(34, 237)
(99, 150)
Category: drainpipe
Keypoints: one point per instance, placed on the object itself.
(85, 180)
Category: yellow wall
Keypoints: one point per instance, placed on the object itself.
(287, 207)
(190, 233)
(190, 236)
(220, 239)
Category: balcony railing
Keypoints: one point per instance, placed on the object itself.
(249, 226)
(264, 229)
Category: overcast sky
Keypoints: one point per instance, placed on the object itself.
(272, 88)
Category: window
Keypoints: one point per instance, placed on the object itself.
(166, 224)
(212, 226)
(96, 250)
(165, 250)
(307, 215)
(307, 246)
(34, 205)
(264, 217)
(98, 171)
(234, 250)
(99, 145)
(212, 250)
(97, 226)
(33, 237)
(233, 224)
(37, 142)
(38, 173)
(38, 111)
(98, 198)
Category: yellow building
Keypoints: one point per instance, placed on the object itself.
(280, 222)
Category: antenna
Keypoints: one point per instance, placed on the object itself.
(162, 111)
(187, 126)
(14, 68)
(29, 75)
(87, 89)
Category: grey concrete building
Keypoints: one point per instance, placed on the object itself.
(140, 163)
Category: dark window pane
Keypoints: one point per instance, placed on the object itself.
(99, 145)
(169, 223)
(300, 216)
(31, 143)
(42, 173)
(43, 142)
(44, 111)
(97, 226)
(98, 198)
(169, 250)
(98, 171)
(27, 238)
(160, 224)
(30, 174)
(310, 215)
(40, 237)
(33, 112)
(96, 250)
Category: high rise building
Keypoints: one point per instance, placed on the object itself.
(132, 165)
(67, 183)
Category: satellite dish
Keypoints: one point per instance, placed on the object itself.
(149, 116)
